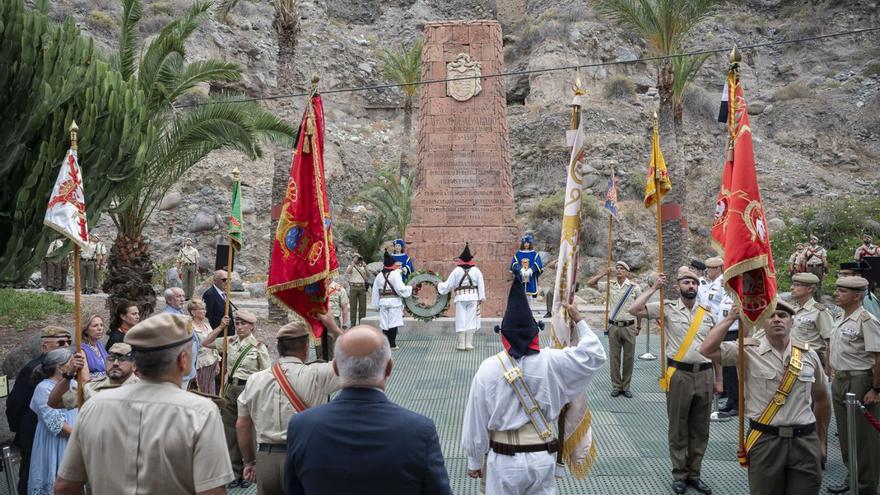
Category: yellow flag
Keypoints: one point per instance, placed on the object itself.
(657, 170)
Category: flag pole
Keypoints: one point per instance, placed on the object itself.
(608, 275)
(660, 258)
(77, 303)
(236, 177)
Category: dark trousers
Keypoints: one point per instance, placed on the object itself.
(867, 438)
(391, 335)
(785, 466)
(731, 381)
(357, 303)
(688, 405)
(229, 414)
(24, 470)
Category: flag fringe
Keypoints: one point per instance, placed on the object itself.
(580, 468)
(293, 284)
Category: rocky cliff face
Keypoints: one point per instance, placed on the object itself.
(815, 108)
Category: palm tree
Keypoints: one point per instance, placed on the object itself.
(366, 240)
(683, 69)
(664, 25)
(404, 66)
(392, 198)
(172, 141)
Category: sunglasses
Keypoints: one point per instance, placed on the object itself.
(118, 357)
(64, 343)
(223, 280)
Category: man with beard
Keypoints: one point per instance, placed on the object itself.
(816, 262)
(120, 371)
(866, 249)
(786, 401)
(689, 376)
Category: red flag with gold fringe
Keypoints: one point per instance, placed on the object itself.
(303, 253)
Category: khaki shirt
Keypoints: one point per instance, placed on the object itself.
(677, 322)
(257, 359)
(54, 246)
(93, 251)
(812, 324)
(93, 387)
(268, 407)
(854, 341)
(815, 256)
(187, 254)
(764, 369)
(357, 274)
(617, 292)
(338, 298)
(158, 438)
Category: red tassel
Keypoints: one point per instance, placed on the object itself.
(742, 456)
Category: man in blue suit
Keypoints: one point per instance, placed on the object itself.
(362, 443)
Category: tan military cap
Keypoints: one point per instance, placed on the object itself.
(687, 272)
(714, 262)
(120, 348)
(855, 283)
(293, 330)
(159, 332)
(784, 306)
(245, 315)
(623, 265)
(814, 238)
(805, 278)
(52, 332)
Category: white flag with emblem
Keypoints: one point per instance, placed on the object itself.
(66, 212)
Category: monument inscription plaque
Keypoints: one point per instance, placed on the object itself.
(463, 187)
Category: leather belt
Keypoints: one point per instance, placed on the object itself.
(356, 284)
(852, 373)
(783, 431)
(688, 366)
(272, 447)
(509, 449)
(622, 324)
(237, 381)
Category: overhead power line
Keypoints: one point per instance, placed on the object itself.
(550, 69)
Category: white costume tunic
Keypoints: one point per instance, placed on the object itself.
(390, 307)
(467, 296)
(555, 377)
(714, 297)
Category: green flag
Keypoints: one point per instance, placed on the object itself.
(235, 214)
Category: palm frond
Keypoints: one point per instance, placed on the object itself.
(224, 8)
(392, 197)
(188, 75)
(128, 39)
(663, 24)
(403, 66)
(684, 70)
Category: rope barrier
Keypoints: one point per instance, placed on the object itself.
(870, 417)
(549, 69)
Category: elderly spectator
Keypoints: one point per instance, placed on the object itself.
(215, 301)
(96, 355)
(126, 316)
(19, 416)
(207, 361)
(53, 425)
(174, 301)
(120, 371)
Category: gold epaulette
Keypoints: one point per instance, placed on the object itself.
(804, 346)
(865, 316)
(750, 341)
(820, 306)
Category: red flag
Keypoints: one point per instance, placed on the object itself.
(740, 223)
(303, 254)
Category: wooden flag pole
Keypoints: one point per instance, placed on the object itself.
(608, 275)
(223, 357)
(77, 290)
(660, 262)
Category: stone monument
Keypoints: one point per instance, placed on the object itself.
(463, 191)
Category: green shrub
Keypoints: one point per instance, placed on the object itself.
(101, 20)
(871, 69)
(165, 8)
(793, 91)
(619, 87)
(18, 308)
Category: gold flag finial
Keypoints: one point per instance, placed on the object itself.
(73, 129)
(236, 175)
(613, 165)
(735, 56)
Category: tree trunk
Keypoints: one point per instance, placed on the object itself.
(130, 275)
(287, 33)
(405, 167)
(677, 118)
(675, 235)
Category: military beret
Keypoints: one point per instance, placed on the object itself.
(814, 238)
(52, 332)
(714, 262)
(687, 272)
(293, 330)
(245, 315)
(120, 348)
(805, 278)
(852, 283)
(159, 332)
(623, 265)
(784, 306)
(699, 265)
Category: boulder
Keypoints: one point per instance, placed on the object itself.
(201, 222)
(171, 201)
(20, 355)
(171, 278)
(776, 224)
(247, 206)
(635, 258)
(256, 290)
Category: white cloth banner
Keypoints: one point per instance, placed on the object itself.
(66, 212)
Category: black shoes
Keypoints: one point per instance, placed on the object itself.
(699, 486)
(239, 483)
(679, 486)
(615, 393)
(627, 394)
(548, 314)
(841, 488)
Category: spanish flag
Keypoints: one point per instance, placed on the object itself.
(658, 178)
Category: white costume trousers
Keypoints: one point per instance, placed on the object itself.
(529, 473)
(467, 315)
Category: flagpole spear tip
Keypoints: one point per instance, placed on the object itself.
(236, 175)
(315, 80)
(73, 129)
(735, 56)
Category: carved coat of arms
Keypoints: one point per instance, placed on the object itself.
(464, 75)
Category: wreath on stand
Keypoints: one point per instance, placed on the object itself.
(426, 303)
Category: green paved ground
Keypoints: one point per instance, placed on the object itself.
(430, 377)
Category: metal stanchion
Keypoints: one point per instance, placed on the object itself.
(852, 406)
(11, 472)
(647, 356)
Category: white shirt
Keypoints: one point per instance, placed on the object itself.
(395, 281)
(714, 297)
(454, 279)
(554, 376)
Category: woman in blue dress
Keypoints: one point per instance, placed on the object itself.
(53, 425)
(96, 355)
(529, 262)
(400, 256)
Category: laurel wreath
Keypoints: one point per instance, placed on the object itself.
(421, 311)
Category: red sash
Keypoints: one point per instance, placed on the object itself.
(294, 399)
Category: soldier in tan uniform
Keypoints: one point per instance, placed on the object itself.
(131, 427)
(796, 260)
(91, 258)
(689, 398)
(338, 301)
(622, 327)
(784, 449)
(813, 322)
(188, 267)
(868, 248)
(56, 269)
(854, 356)
(120, 371)
(245, 355)
(265, 406)
(816, 262)
(358, 277)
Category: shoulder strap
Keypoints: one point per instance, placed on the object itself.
(620, 303)
(788, 380)
(685, 345)
(466, 276)
(362, 274)
(514, 376)
(288, 390)
(387, 287)
(244, 352)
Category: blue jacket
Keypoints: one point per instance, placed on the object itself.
(362, 443)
